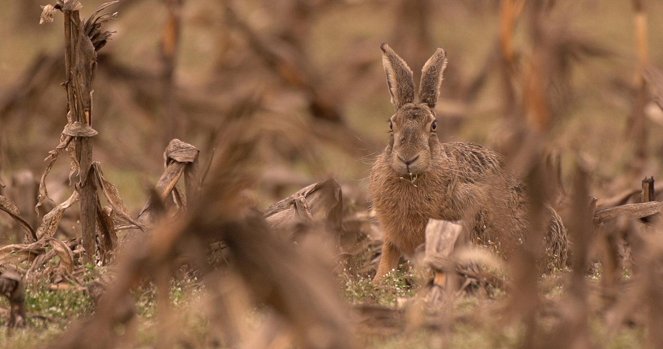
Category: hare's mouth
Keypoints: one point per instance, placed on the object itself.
(409, 167)
(410, 177)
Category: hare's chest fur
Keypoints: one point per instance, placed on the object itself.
(436, 194)
(404, 205)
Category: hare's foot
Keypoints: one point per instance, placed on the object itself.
(388, 261)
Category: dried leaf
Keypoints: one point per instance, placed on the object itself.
(317, 203)
(64, 252)
(180, 151)
(51, 221)
(108, 233)
(47, 12)
(92, 26)
(113, 196)
(51, 158)
(41, 259)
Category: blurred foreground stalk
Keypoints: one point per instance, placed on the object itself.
(637, 128)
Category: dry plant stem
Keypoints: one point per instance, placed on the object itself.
(631, 211)
(80, 59)
(648, 194)
(638, 241)
(179, 159)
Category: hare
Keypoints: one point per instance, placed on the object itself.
(417, 177)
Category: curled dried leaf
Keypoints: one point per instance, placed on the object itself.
(51, 158)
(47, 12)
(180, 151)
(92, 26)
(51, 220)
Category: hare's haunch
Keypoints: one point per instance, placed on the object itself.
(417, 177)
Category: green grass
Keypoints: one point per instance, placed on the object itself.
(191, 328)
(397, 284)
(49, 312)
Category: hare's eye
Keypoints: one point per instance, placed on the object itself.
(433, 126)
(391, 125)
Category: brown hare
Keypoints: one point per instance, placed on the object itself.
(417, 177)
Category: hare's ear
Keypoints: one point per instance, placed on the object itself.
(431, 78)
(399, 77)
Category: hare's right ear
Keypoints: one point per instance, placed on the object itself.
(399, 77)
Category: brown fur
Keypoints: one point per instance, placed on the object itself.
(417, 177)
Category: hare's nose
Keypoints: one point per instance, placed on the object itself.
(408, 162)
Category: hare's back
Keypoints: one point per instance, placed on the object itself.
(473, 161)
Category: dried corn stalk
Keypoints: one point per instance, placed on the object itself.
(82, 40)
(180, 159)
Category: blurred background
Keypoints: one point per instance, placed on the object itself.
(309, 76)
(581, 78)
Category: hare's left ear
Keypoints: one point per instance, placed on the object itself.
(431, 78)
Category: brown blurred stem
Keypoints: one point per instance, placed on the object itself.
(411, 31)
(290, 66)
(510, 10)
(637, 129)
(170, 41)
(290, 71)
(581, 231)
(537, 105)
